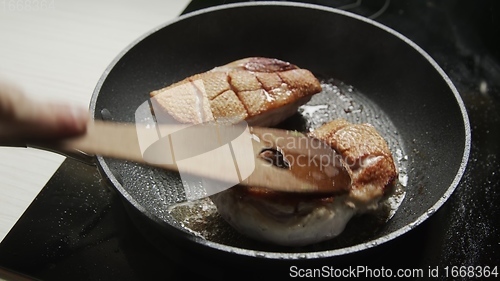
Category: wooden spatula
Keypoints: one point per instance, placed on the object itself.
(312, 166)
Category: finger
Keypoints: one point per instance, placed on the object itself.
(53, 120)
(23, 119)
(45, 122)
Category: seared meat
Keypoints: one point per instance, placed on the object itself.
(367, 156)
(262, 91)
(294, 219)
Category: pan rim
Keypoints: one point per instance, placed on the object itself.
(302, 255)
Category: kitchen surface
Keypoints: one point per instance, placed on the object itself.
(59, 220)
(58, 50)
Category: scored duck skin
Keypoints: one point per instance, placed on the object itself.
(366, 155)
(261, 91)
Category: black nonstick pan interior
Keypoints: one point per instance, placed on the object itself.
(369, 73)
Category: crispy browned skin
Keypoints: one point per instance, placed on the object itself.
(262, 91)
(366, 154)
(367, 158)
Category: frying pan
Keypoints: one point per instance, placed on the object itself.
(383, 77)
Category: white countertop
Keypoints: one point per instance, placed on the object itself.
(58, 49)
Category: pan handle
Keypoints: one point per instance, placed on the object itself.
(78, 155)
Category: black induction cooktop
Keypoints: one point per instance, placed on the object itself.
(78, 229)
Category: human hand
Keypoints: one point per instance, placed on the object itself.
(24, 120)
